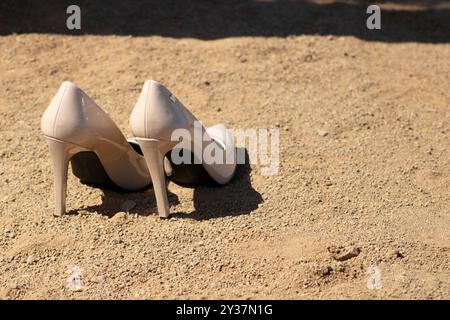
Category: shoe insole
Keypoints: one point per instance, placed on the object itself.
(189, 175)
(87, 167)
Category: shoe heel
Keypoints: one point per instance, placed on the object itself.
(60, 152)
(154, 152)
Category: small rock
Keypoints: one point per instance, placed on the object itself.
(341, 268)
(30, 259)
(342, 255)
(98, 279)
(128, 205)
(119, 216)
(430, 151)
(206, 83)
(397, 254)
(325, 271)
(308, 58)
(322, 133)
(9, 233)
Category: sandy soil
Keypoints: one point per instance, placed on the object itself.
(365, 166)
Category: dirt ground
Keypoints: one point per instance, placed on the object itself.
(364, 126)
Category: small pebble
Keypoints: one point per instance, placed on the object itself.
(30, 259)
(119, 216)
(308, 58)
(397, 254)
(98, 279)
(325, 271)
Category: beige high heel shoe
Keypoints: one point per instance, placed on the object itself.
(78, 130)
(161, 124)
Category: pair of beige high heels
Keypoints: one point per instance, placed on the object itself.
(78, 130)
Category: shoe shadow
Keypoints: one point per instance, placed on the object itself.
(238, 197)
(141, 203)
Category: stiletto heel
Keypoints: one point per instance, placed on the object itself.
(154, 152)
(60, 152)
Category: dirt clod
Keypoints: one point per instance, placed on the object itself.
(342, 254)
